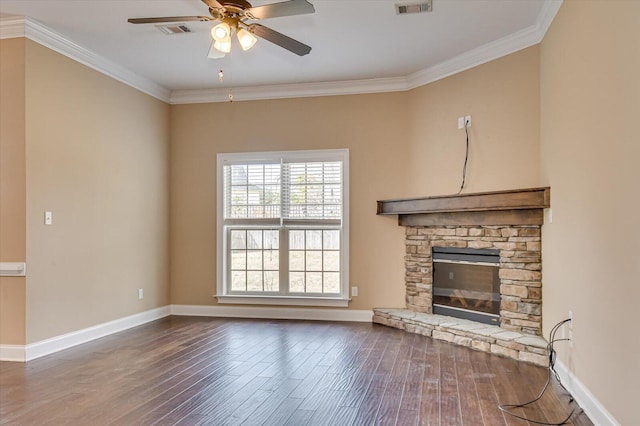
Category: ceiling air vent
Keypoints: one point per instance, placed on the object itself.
(424, 6)
(173, 29)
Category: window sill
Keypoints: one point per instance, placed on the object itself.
(335, 302)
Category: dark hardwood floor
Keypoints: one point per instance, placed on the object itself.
(206, 371)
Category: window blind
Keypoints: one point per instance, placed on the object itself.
(296, 190)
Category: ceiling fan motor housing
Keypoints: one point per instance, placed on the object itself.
(234, 8)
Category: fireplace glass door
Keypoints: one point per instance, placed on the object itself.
(466, 284)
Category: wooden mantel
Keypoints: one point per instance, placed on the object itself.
(511, 207)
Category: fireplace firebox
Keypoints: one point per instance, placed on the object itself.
(466, 283)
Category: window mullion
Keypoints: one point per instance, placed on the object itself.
(284, 192)
(284, 260)
(283, 252)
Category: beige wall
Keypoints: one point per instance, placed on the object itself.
(401, 144)
(371, 126)
(590, 101)
(502, 98)
(98, 158)
(12, 188)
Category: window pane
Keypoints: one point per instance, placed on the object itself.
(238, 239)
(314, 240)
(238, 260)
(255, 174)
(239, 211)
(331, 261)
(313, 190)
(331, 282)
(333, 172)
(252, 267)
(314, 282)
(320, 254)
(314, 194)
(238, 281)
(296, 260)
(254, 239)
(296, 282)
(296, 240)
(254, 281)
(271, 260)
(252, 191)
(314, 261)
(271, 240)
(238, 174)
(331, 240)
(254, 260)
(271, 281)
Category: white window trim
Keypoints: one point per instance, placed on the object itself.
(221, 256)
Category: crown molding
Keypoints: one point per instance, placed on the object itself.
(11, 27)
(519, 40)
(280, 91)
(35, 31)
(548, 13)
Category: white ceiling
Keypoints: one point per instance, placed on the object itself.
(351, 40)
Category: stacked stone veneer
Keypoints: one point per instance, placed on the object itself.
(520, 268)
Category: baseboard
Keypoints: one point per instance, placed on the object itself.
(596, 412)
(12, 353)
(273, 313)
(65, 341)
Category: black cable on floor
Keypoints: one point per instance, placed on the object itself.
(552, 361)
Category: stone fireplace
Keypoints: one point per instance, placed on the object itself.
(519, 271)
(509, 224)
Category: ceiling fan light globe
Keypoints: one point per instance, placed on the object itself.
(214, 53)
(221, 32)
(246, 39)
(223, 46)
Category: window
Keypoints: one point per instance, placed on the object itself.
(283, 228)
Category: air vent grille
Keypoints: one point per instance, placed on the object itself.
(424, 6)
(173, 29)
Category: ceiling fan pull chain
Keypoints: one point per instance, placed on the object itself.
(220, 75)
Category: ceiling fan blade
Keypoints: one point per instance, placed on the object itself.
(285, 8)
(168, 19)
(280, 39)
(212, 4)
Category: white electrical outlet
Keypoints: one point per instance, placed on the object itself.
(140, 293)
(462, 120)
(354, 291)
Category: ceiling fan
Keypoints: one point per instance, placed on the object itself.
(234, 16)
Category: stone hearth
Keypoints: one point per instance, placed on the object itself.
(482, 337)
(509, 221)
